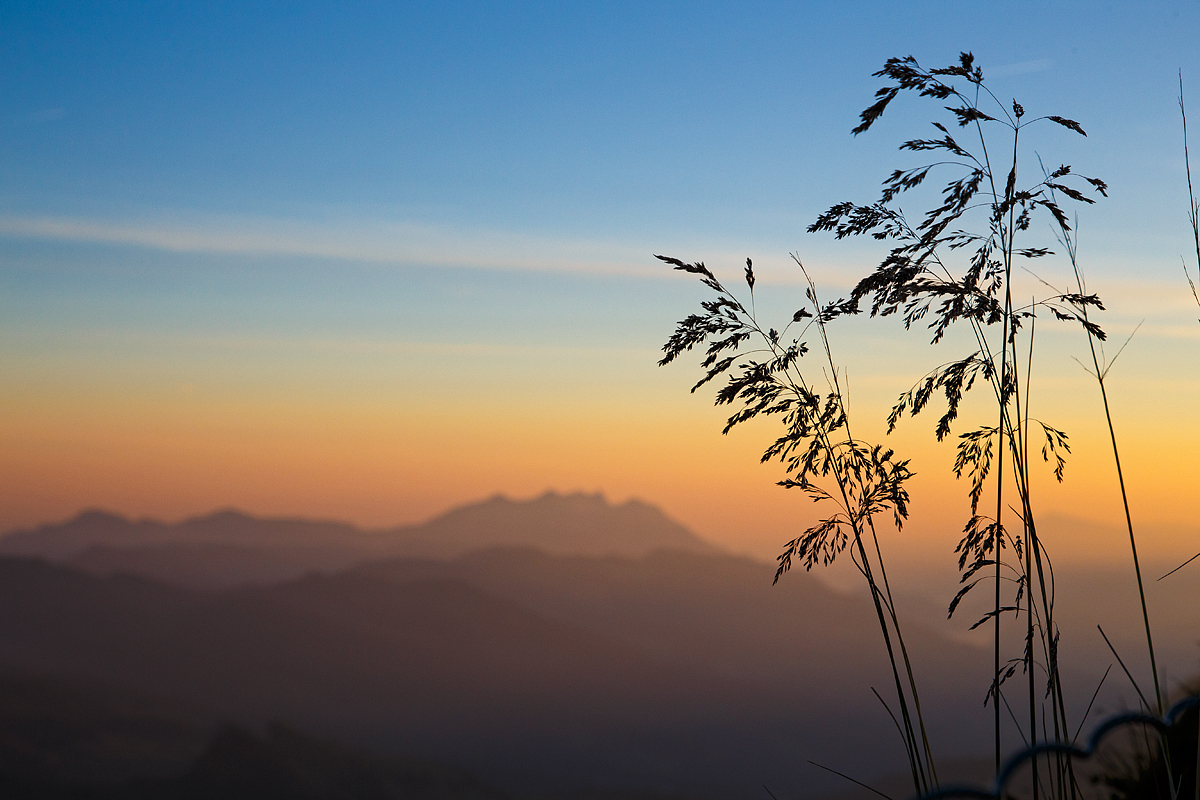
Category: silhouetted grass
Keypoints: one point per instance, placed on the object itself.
(763, 376)
(1194, 219)
(952, 268)
(1099, 371)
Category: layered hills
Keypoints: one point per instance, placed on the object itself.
(551, 646)
(434, 666)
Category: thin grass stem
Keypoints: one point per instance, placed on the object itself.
(1101, 373)
(847, 777)
(1116, 655)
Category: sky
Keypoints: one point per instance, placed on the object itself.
(368, 261)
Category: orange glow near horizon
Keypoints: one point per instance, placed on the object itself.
(378, 461)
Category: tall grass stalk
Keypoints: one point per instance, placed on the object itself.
(1100, 371)
(820, 453)
(1193, 205)
(1194, 219)
(916, 281)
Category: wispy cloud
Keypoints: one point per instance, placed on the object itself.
(401, 243)
(1020, 68)
(378, 242)
(363, 346)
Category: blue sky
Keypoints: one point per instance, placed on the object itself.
(599, 122)
(215, 213)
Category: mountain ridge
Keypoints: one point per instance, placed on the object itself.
(268, 549)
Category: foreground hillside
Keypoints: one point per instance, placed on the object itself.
(90, 742)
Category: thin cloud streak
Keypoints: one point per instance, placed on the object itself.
(415, 244)
(368, 346)
(428, 245)
(384, 243)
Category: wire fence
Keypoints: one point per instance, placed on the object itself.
(1129, 755)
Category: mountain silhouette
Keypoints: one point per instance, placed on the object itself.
(230, 548)
(582, 524)
(280, 542)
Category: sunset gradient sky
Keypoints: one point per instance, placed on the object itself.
(368, 261)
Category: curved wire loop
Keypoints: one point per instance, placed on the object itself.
(1022, 757)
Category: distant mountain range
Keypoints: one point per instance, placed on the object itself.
(229, 548)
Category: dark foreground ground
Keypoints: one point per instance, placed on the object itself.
(66, 742)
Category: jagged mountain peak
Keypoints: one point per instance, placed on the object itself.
(576, 522)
